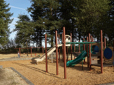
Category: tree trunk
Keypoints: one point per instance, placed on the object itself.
(51, 41)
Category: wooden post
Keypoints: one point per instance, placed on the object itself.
(27, 51)
(31, 51)
(79, 47)
(91, 38)
(58, 39)
(67, 52)
(59, 54)
(113, 55)
(71, 44)
(84, 47)
(84, 44)
(104, 45)
(74, 50)
(42, 49)
(74, 47)
(113, 46)
(56, 53)
(20, 52)
(46, 52)
(64, 48)
(104, 42)
(101, 52)
(89, 53)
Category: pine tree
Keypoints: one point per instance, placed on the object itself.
(4, 22)
(45, 12)
(109, 23)
(24, 28)
(66, 16)
(89, 14)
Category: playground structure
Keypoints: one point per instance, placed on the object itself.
(51, 50)
(31, 50)
(92, 57)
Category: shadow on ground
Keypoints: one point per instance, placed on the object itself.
(37, 69)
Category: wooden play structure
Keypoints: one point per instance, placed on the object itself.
(92, 50)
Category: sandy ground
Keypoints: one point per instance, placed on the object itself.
(75, 75)
(9, 77)
(3, 56)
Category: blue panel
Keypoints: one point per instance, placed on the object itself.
(96, 48)
(107, 53)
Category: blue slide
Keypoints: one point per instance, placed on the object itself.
(77, 60)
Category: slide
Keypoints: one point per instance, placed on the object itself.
(77, 60)
(48, 53)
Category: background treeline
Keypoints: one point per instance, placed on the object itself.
(79, 17)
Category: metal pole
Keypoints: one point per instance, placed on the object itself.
(56, 53)
(89, 53)
(46, 52)
(64, 48)
(101, 52)
(71, 44)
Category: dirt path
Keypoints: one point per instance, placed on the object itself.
(75, 75)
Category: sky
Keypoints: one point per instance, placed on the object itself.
(17, 7)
